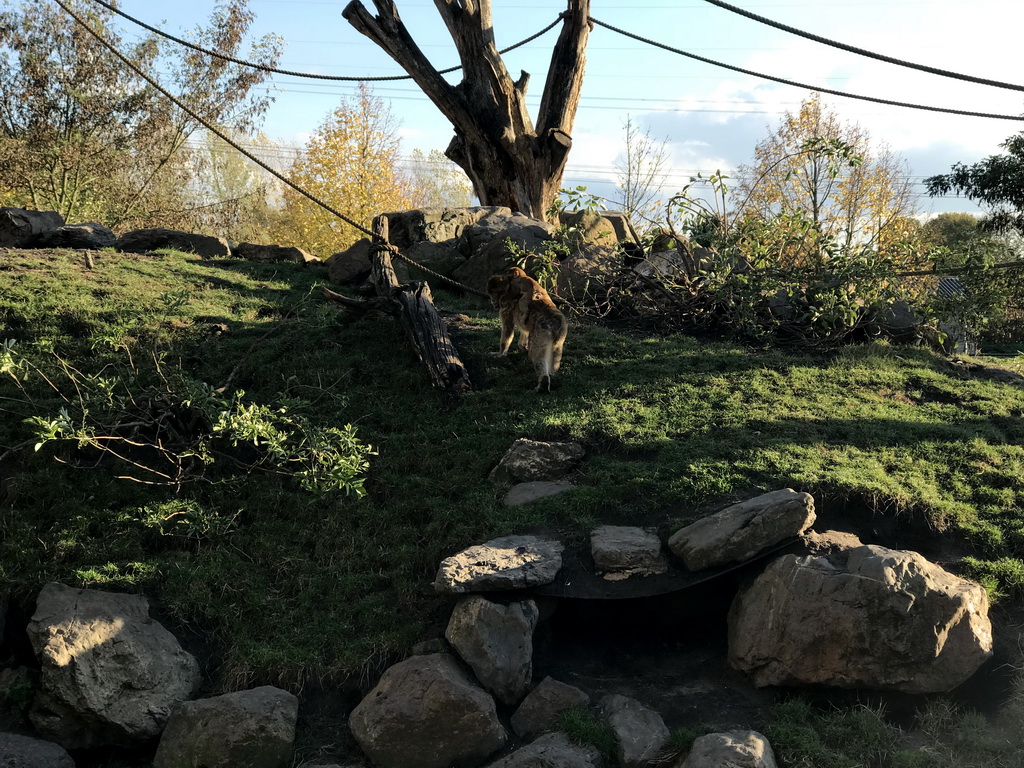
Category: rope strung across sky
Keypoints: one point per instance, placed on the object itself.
(803, 85)
(308, 75)
(654, 43)
(863, 52)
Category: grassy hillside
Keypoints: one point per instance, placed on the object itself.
(284, 584)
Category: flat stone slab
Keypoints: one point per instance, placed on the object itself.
(741, 531)
(622, 551)
(511, 562)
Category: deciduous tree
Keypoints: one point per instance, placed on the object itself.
(83, 135)
(641, 172)
(996, 182)
(437, 182)
(829, 181)
(351, 163)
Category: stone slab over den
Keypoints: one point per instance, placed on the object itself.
(741, 531)
(621, 551)
(510, 562)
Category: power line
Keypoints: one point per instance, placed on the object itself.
(309, 75)
(863, 52)
(804, 86)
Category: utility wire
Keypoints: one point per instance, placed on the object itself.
(307, 75)
(804, 86)
(863, 52)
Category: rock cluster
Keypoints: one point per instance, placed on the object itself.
(847, 615)
(469, 245)
(111, 676)
(21, 228)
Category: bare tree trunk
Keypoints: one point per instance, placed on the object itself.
(509, 161)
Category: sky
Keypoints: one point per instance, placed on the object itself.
(709, 118)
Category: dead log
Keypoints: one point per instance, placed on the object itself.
(413, 306)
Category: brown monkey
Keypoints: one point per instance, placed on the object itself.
(524, 304)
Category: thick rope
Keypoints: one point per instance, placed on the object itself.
(863, 52)
(308, 75)
(802, 85)
(230, 142)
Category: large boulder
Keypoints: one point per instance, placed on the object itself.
(735, 749)
(254, 728)
(18, 751)
(496, 641)
(553, 750)
(272, 253)
(89, 236)
(442, 258)
(528, 460)
(351, 265)
(867, 617)
(540, 709)
(741, 531)
(640, 732)
(483, 244)
(425, 713)
(19, 227)
(146, 240)
(598, 227)
(510, 562)
(435, 225)
(110, 674)
(583, 274)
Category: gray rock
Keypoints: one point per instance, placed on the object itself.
(735, 749)
(351, 265)
(598, 227)
(19, 227)
(583, 275)
(483, 244)
(527, 493)
(110, 674)
(254, 728)
(18, 751)
(496, 641)
(640, 731)
(146, 240)
(553, 750)
(621, 551)
(90, 235)
(530, 460)
(272, 253)
(437, 257)
(741, 531)
(868, 617)
(425, 713)
(511, 562)
(540, 709)
(435, 225)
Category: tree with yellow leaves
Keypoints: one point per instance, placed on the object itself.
(818, 180)
(351, 163)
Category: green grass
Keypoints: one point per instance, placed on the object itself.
(583, 726)
(287, 585)
(941, 736)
